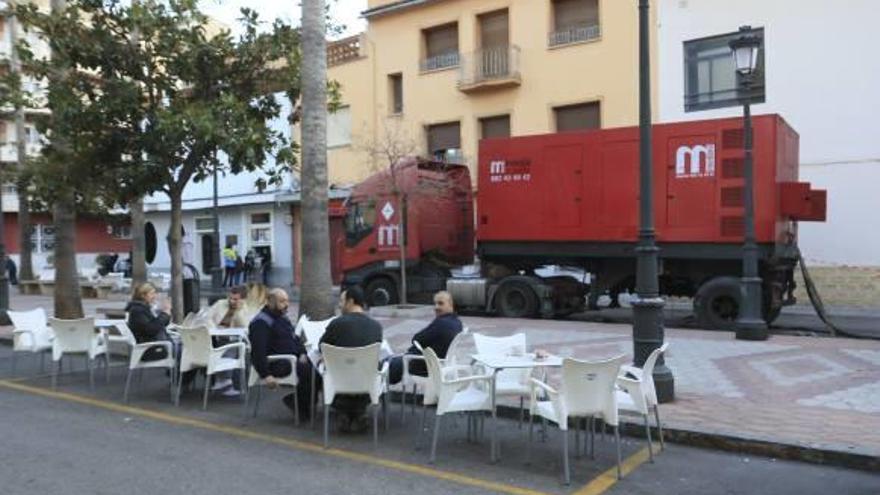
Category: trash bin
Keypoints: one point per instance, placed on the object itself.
(192, 297)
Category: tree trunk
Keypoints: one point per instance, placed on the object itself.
(401, 241)
(138, 243)
(317, 287)
(174, 247)
(68, 303)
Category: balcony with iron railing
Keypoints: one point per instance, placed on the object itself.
(487, 68)
(440, 62)
(574, 34)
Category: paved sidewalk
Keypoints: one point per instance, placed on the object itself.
(815, 393)
(818, 393)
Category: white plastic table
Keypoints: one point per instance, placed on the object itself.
(498, 362)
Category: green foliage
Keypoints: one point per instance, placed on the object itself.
(143, 99)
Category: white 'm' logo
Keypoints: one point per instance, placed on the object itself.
(389, 235)
(496, 167)
(701, 158)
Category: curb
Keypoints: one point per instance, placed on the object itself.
(731, 443)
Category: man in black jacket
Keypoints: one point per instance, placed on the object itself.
(437, 335)
(271, 332)
(353, 329)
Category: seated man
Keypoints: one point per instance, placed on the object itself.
(271, 332)
(437, 335)
(353, 329)
(230, 312)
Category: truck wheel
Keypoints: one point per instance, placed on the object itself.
(381, 292)
(717, 303)
(516, 300)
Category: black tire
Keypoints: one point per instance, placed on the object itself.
(516, 300)
(381, 292)
(717, 303)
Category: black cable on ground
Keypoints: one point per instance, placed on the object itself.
(818, 305)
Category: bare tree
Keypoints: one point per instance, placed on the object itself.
(389, 153)
(317, 286)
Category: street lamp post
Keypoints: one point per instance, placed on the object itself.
(750, 324)
(216, 270)
(648, 305)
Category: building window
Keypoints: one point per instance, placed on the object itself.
(260, 230)
(339, 127)
(119, 231)
(711, 80)
(444, 141)
(395, 90)
(574, 21)
(43, 238)
(441, 47)
(578, 117)
(495, 127)
(205, 224)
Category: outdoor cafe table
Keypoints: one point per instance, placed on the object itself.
(498, 362)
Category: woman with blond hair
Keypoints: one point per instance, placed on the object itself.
(257, 295)
(147, 324)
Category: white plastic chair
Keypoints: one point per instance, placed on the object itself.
(78, 337)
(312, 331)
(509, 382)
(30, 333)
(290, 380)
(136, 355)
(587, 391)
(637, 394)
(198, 352)
(353, 371)
(456, 394)
(421, 382)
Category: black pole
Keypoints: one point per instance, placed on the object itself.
(750, 324)
(648, 305)
(4, 281)
(216, 271)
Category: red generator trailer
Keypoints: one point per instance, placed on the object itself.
(571, 200)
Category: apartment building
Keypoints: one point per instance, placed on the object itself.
(437, 76)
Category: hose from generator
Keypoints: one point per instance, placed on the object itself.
(816, 300)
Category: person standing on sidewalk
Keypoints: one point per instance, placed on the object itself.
(229, 256)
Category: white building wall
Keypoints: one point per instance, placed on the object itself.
(822, 76)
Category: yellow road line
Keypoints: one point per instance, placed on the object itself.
(606, 480)
(296, 444)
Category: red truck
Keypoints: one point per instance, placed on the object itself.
(571, 200)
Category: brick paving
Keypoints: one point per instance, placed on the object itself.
(805, 391)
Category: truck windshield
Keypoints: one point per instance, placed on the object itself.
(359, 221)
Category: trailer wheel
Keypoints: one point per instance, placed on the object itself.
(381, 292)
(516, 300)
(717, 303)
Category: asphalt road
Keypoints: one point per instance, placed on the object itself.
(74, 441)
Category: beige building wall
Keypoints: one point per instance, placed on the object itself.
(603, 70)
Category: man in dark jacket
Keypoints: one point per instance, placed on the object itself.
(353, 329)
(271, 332)
(437, 335)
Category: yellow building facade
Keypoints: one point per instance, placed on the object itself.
(437, 76)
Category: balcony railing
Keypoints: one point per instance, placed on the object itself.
(442, 61)
(344, 50)
(574, 34)
(489, 66)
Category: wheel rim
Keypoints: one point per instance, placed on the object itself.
(725, 307)
(515, 302)
(380, 297)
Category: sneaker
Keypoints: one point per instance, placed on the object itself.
(230, 392)
(221, 384)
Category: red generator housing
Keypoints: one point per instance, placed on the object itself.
(573, 199)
